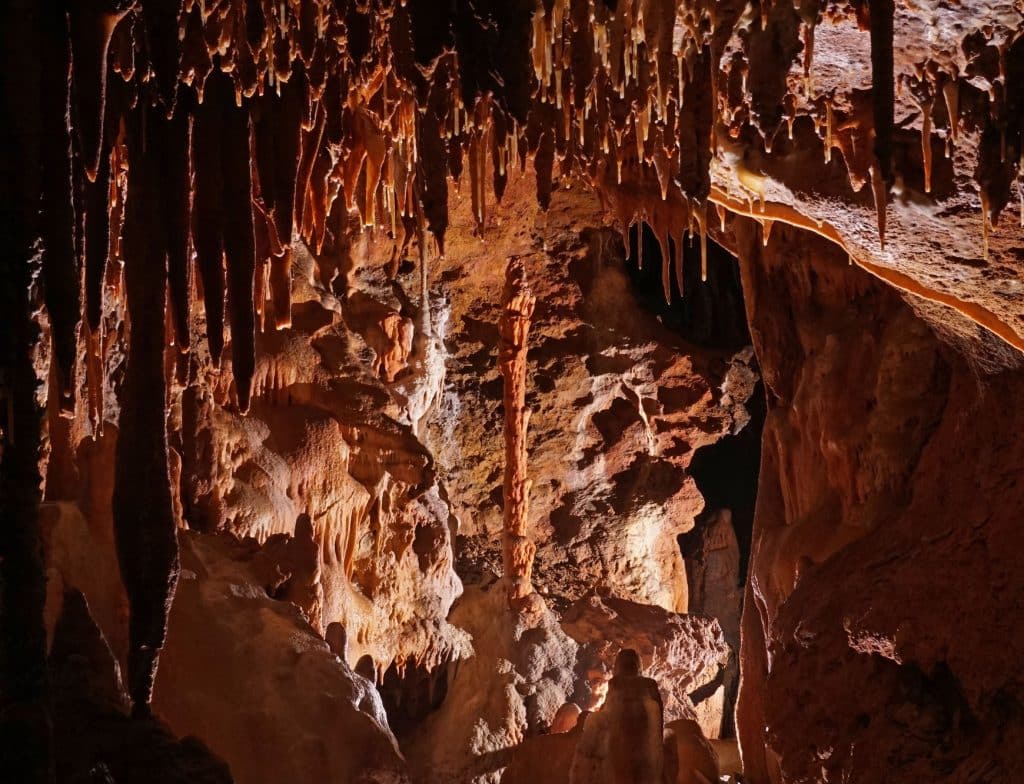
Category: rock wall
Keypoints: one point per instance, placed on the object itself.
(878, 629)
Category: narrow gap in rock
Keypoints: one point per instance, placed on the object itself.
(711, 315)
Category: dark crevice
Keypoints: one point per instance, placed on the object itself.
(726, 473)
(710, 313)
(410, 693)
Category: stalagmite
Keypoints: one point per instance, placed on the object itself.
(247, 134)
(517, 548)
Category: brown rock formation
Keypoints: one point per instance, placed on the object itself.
(684, 654)
(518, 549)
(623, 741)
(689, 758)
(906, 390)
(208, 329)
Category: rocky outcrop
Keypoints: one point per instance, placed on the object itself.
(246, 673)
(95, 739)
(875, 404)
(326, 441)
(519, 673)
(685, 654)
(624, 740)
(229, 673)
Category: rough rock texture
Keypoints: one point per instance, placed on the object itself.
(519, 674)
(624, 741)
(323, 441)
(685, 654)
(237, 662)
(229, 673)
(620, 403)
(883, 418)
(713, 570)
(517, 548)
(165, 163)
(544, 759)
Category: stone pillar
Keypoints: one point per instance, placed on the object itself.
(514, 326)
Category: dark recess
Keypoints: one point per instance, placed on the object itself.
(710, 313)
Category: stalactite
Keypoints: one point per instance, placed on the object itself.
(25, 700)
(926, 142)
(176, 183)
(92, 24)
(164, 47)
(144, 523)
(664, 244)
(97, 240)
(239, 250)
(951, 94)
(208, 214)
(343, 100)
(60, 263)
(883, 84)
(514, 326)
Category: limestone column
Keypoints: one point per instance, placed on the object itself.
(514, 327)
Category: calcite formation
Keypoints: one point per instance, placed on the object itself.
(256, 347)
(518, 549)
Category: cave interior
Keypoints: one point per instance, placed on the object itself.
(512, 392)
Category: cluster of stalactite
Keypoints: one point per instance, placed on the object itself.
(189, 143)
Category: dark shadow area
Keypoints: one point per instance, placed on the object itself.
(726, 474)
(411, 692)
(710, 313)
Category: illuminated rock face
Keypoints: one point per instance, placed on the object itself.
(197, 335)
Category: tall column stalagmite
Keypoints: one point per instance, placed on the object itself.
(514, 327)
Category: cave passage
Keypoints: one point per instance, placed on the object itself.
(379, 398)
(710, 314)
